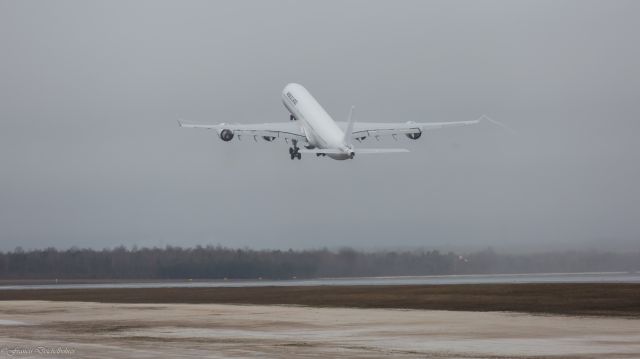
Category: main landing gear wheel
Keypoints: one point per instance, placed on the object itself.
(294, 151)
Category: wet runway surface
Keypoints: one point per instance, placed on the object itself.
(105, 330)
(616, 277)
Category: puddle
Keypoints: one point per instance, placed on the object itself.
(11, 322)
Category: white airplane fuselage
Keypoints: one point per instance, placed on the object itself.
(320, 129)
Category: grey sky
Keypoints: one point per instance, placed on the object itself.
(90, 153)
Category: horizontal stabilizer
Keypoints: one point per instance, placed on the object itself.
(363, 151)
(367, 151)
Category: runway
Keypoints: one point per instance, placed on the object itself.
(593, 277)
(106, 330)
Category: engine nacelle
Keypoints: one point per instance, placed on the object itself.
(226, 135)
(415, 135)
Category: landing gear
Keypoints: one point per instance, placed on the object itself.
(294, 151)
(292, 118)
(294, 154)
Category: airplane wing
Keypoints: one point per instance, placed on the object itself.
(362, 130)
(267, 131)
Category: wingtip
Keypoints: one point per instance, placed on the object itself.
(497, 123)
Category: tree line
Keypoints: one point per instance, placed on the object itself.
(216, 262)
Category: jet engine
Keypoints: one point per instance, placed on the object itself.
(226, 135)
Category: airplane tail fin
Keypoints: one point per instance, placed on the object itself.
(348, 133)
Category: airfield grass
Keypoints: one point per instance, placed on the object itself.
(572, 299)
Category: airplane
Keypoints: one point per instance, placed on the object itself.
(312, 126)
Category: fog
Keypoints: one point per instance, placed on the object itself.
(91, 155)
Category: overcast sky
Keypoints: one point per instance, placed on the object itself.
(91, 155)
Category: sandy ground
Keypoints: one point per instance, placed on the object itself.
(42, 329)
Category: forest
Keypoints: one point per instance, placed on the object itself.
(216, 262)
